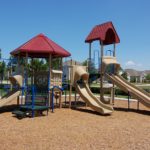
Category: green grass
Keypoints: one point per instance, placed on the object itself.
(94, 85)
(2, 92)
(119, 96)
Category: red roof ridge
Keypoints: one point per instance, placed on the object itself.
(40, 46)
(45, 38)
(41, 34)
(104, 23)
(104, 32)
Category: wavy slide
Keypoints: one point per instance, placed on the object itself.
(87, 95)
(13, 95)
(136, 92)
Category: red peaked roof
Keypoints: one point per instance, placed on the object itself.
(40, 46)
(104, 32)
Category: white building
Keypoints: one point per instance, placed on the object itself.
(138, 76)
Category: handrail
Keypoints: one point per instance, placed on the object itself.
(111, 52)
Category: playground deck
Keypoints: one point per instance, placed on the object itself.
(78, 129)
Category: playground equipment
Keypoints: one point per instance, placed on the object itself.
(28, 51)
(106, 34)
(96, 59)
(85, 92)
(9, 92)
(56, 86)
(79, 79)
(50, 81)
(131, 89)
(56, 79)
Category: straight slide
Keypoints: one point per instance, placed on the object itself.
(136, 92)
(86, 94)
(13, 95)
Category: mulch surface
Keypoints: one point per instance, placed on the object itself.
(78, 129)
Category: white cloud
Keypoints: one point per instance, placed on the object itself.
(133, 65)
(130, 63)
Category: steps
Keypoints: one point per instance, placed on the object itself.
(19, 113)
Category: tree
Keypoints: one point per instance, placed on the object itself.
(133, 79)
(110, 68)
(43, 64)
(147, 77)
(91, 66)
(2, 69)
(124, 75)
(0, 53)
(85, 63)
(56, 63)
(38, 65)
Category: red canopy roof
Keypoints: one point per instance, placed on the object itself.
(104, 32)
(40, 46)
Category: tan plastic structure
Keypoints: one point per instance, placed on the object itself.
(110, 60)
(86, 94)
(74, 68)
(16, 79)
(136, 92)
(13, 95)
(56, 78)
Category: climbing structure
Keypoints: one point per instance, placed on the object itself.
(106, 34)
(40, 46)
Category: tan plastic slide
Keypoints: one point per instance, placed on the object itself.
(13, 95)
(136, 92)
(87, 95)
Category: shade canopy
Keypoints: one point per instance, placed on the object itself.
(40, 46)
(105, 33)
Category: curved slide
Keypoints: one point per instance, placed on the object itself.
(87, 95)
(13, 95)
(136, 92)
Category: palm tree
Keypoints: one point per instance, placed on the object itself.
(38, 65)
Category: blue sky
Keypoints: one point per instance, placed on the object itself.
(68, 22)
